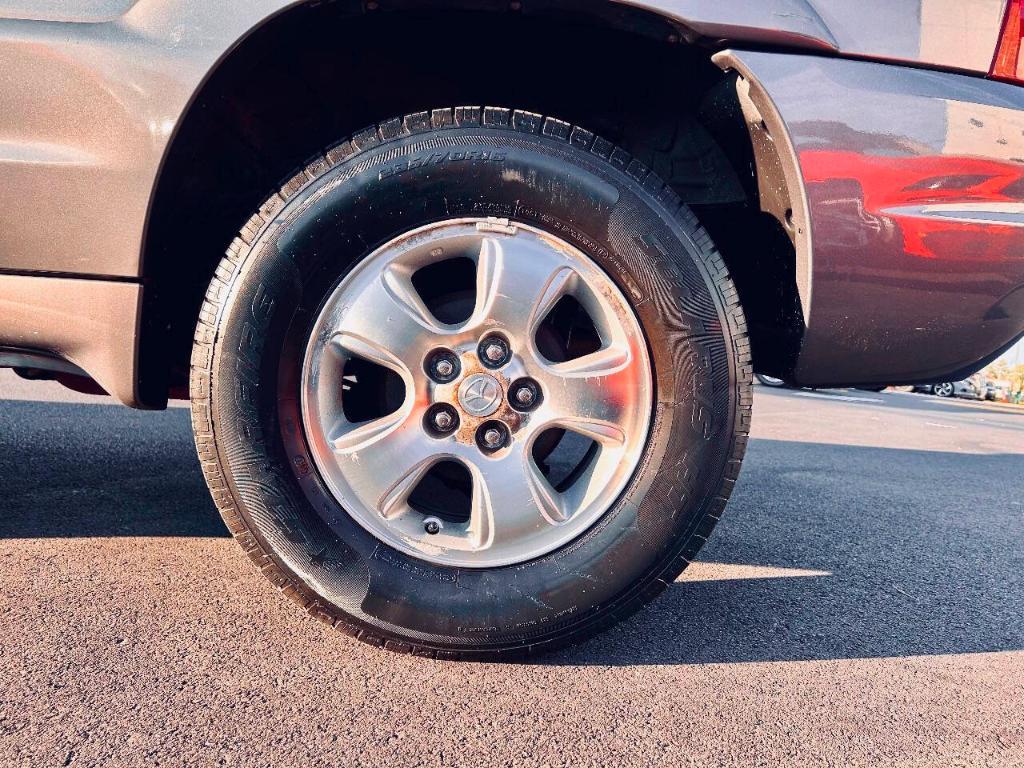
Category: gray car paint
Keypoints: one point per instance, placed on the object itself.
(92, 92)
(958, 34)
(89, 323)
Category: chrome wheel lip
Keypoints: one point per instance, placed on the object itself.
(477, 544)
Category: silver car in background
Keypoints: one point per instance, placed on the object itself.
(969, 389)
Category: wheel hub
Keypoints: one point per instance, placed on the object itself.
(480, 394)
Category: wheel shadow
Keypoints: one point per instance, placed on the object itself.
(923, 551)
(73, 470)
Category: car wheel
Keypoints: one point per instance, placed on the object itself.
(771, 381)
(472, 384)
(945, 389)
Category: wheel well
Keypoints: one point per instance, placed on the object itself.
(318, 73)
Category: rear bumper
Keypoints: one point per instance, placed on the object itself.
(912, 184)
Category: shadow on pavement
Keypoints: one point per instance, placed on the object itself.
(925, 550)
(72, 470)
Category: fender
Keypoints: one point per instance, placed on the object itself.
(130, 69)
(907, 192)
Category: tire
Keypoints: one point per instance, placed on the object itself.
(771, 381)
(946, 389)
(313, 235)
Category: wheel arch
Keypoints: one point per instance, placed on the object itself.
(214, 170)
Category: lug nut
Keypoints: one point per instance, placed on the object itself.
(443, 366)
(494, 352)
(492, 436)
(432, 526)
(441, 420)
(524, 394)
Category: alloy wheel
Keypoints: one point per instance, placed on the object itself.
(505, 369)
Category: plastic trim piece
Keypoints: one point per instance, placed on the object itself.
(92, 324)
(780, 184)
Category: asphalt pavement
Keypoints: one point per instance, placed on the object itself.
(861, 603)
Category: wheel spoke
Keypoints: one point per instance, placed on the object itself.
(397, 282)
(386, 466)
(351, 344)
(518, 282)
(602, 363)
(602, 432)
(388, 322)
(512, 501)
(592, 395)
(351, 438)
(559, 284)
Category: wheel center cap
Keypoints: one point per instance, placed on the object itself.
(480, 394)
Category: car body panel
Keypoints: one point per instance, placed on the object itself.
(94, 90)
(78, 11)
(959, 34)
(914, 183)
(90, 109)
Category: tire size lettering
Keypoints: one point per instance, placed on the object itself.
(440, 158)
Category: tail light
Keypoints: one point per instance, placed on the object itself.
(1008, 63)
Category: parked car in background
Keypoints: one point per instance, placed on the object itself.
(467, 295)
(775, 383)
(966, 388)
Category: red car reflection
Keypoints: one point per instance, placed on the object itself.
(943, 207)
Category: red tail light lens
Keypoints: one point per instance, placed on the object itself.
(1008, 63)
